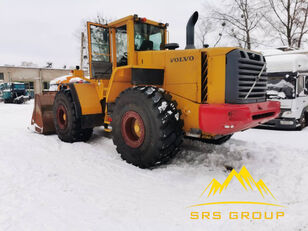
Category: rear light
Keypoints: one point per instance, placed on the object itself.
(109, 118)
(143, 20)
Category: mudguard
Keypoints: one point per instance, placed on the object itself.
(88, 105)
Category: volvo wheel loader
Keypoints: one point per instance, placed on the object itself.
(149, 95)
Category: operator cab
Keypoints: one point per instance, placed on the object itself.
(148, 37)
(110, 46)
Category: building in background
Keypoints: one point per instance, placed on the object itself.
(36, 79)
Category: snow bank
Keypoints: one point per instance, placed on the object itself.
(50, 185)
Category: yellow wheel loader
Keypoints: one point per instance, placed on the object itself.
(150, 95)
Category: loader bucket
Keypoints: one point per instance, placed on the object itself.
(42, 117)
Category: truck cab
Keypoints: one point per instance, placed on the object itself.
(14, 93)
(288, 84)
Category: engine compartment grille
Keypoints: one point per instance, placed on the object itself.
(242, 71)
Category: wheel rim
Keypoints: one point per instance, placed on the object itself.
(62, 117)
(303, 121)
(132, 128)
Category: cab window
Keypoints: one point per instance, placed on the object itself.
(300, 85)
(100, 43)
(148, 37)
(121, 45)
(99, 51)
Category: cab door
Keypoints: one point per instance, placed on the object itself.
(100, 62)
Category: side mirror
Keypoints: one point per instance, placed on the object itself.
(171, 46)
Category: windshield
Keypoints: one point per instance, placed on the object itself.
(20, 86)
(149, 37)
(281, 87)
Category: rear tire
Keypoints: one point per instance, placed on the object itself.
(146, 126)
(67, 124)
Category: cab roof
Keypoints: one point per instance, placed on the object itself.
(134, 18)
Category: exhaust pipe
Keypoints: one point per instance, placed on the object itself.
(190, 31)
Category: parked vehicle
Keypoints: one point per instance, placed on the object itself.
(1, 91)
(288, 84)
(14, 93)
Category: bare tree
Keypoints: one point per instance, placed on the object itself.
(49, 65)
(99, 18)
(288, 18)
(241, 18)
(204, 27)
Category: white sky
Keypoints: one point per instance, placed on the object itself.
(39, 30)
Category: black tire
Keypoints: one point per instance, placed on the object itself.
(68, 128)
(19, 101)
(159, 123)
(303, 121)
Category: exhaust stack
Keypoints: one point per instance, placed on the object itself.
(190, 31)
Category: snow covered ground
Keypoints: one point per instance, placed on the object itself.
(46, 184)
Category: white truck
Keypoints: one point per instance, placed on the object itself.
(288, 83)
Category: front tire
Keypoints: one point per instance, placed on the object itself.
(303, 120)
(146, 126)
(67, 124)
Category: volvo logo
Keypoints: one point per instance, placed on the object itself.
(182, 59)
